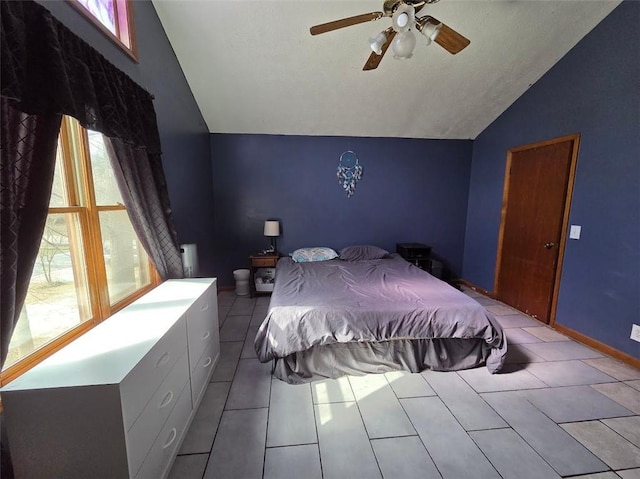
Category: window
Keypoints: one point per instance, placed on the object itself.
(90, 263)
(113, 18)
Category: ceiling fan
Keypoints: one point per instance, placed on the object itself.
(400, 34)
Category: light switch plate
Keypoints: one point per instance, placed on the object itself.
(575, 231)
(635, 332)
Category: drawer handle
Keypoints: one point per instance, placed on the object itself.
(163, 360)
(207, 363)
(172, 437)
(166, 400)
(204, 307)
(205, 335)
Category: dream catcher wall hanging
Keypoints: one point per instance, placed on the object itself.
(349, 172)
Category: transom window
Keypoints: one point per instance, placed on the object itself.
(113, 17)
(90, 263)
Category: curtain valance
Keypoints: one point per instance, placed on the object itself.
(49, 69)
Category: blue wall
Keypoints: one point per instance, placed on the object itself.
(411, 191)
(183, 132)
(594, 90)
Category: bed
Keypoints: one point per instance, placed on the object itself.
(336, 317)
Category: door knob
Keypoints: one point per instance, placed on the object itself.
(549, 245)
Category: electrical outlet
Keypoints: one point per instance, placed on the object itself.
(635, 332)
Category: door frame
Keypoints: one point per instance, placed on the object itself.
(565, 219)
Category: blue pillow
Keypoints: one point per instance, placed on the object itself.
(307, 255)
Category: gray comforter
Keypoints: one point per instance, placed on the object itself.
(321, 303)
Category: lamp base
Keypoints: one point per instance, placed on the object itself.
(269, 251)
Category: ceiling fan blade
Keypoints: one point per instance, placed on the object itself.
(345, 22)
(375, 59)
(449, 39)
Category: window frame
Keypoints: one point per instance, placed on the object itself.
(98, 293)
(124, 38)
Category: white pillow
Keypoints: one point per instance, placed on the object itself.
(319, 253)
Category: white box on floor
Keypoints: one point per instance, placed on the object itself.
(265, 279)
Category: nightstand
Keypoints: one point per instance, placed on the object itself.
(260, 261)
(420, 255)
(416, 253)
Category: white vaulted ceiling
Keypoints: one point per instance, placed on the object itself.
(253, 67)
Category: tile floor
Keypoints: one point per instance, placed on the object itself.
(558, 409)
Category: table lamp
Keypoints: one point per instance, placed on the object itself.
(272, 229)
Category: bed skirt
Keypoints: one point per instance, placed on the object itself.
(358, 358)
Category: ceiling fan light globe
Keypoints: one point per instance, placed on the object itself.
(403, 18)
(431, 31)
(377, 43)
(403, 45)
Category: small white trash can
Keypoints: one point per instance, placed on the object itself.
(242, 281)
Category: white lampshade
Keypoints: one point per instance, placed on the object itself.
(272, 228)
(403, 45)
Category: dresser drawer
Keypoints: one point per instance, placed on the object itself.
(269, 261)
(202, 325)
(147, 376)
(148, 425)
(164, 448)
(202, 372)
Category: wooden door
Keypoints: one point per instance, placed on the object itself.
(535, 207)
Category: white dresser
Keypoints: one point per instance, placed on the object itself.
(116, 402)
